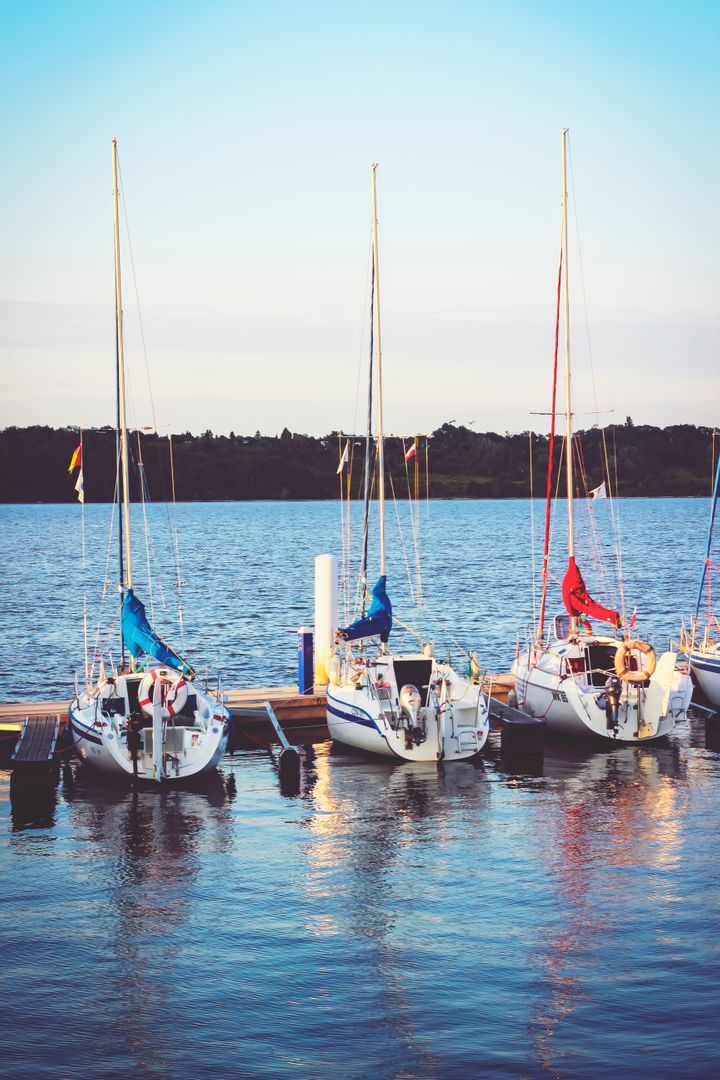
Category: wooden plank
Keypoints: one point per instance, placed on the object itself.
(38, 740)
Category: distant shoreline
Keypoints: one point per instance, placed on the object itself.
(454, 462)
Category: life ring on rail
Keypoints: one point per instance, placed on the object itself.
(622, 657)
(175, 695)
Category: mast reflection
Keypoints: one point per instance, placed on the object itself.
(618, 809)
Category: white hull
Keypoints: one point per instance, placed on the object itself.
(452, 723)
(192, 743)
(574, 702)
(705, 666)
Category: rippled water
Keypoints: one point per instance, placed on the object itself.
(555, 918)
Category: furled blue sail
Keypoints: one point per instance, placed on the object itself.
(378, 619)
(140, 637)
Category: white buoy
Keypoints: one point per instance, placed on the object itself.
(326, 614)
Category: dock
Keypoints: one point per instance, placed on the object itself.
(302, 716)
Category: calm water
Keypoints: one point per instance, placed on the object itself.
(477, 920)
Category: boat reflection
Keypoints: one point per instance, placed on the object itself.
(375, 826)
(613, 810)
(138, 854)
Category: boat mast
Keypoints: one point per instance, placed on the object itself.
(369, 449)
(378, 366)
(568, 412)
(126, 577)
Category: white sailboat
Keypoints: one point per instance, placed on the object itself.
(583, 683)
(150, 719)
(703, 646)
(407, 706)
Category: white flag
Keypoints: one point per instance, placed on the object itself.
(599, 492)
(344, 457)
(79, 487)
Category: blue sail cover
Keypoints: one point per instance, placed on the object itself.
(378, 619)
(140, 637)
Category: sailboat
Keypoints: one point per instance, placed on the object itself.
(704, 648)
(612, 686)
(406, 706)
(150, 719)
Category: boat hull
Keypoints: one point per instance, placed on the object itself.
(105, 749)
(705, 666)
(452, 727)
(575, 707)
(193, 741)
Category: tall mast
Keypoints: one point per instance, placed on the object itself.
(369, 448)
(126, 578)
(568, 406)
(378, 368)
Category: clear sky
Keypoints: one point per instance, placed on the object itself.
(246, 131)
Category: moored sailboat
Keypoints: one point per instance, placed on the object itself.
(612, 686)
(150, 718)
(703, 644)
(407, 706)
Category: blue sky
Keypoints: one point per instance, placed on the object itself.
(246, 132)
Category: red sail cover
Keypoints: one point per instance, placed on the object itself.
(578, 600)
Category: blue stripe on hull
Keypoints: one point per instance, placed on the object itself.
(84, 733)
(705, 664)
(351, 718)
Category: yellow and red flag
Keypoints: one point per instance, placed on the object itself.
(76, 459)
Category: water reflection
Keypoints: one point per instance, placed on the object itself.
(381, 845)
(33, 799)
(140, 852)
(618, 810)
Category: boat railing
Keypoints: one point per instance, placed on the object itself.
(382, 695)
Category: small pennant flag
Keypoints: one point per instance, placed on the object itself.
(599, 492)
(412, 451)
(344, 458)
(79, 487)
(76, 459)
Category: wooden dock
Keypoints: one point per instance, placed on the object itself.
(302, 715)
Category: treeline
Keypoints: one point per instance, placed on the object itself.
(462, 463)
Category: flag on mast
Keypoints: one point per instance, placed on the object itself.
(76, 463)
(344, 458)
(412, 451)
(76, 459)
(599, 492)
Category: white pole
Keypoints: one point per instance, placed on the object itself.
(326, 615)
(378, 368)
(157, 730)
(121, 376)
(568, 403)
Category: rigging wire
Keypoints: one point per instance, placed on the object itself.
(415, 524)
(612, 493)
(81, 494)
(546, 541)
(532, 531)
(171, 517)
(402, 538)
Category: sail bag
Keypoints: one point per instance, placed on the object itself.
(140, 637)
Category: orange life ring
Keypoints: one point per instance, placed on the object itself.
(174, 694)
(622, 657)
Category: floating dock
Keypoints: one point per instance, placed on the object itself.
(302, 716)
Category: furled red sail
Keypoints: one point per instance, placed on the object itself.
(578, 600)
